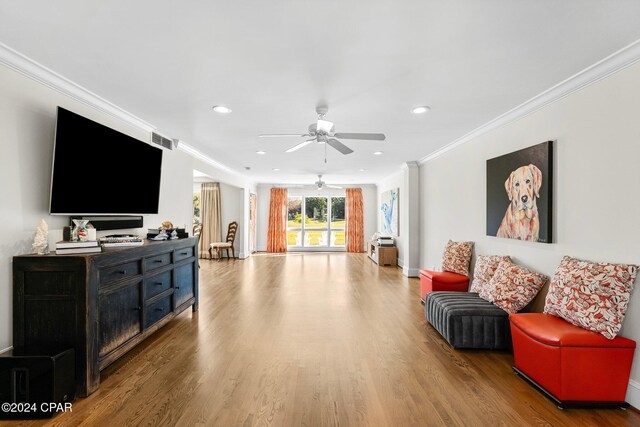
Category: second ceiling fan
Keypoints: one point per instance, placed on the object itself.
(323, 132)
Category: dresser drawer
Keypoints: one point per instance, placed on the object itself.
(183, 253)
(157, 311)
(118, 272)
(157, 284)
(157, 261)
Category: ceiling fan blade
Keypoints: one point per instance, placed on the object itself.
(278, 135)
(339, 146)
(333, 186)
(369, 136)
(299, 146)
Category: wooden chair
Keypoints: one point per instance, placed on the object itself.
(218, 247)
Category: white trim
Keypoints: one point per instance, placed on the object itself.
(411, 272)
(203, 157)
(6, 349)
(18, 62)
(633, 394)
(613, 63)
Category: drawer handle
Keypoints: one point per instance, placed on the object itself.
(138, 308)
(157, 260)
(122, 271)
(184, 253)
(158, 283)
(177, 287)
(159, 309)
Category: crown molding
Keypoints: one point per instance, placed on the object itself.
(193, 152)
(20, 63)
(613, 63)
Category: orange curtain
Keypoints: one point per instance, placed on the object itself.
(354, 228)
(277, 233)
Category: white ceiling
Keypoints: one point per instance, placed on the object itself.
(272, 62)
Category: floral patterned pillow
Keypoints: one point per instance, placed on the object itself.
(591, 295)
(513, 287)
(456, 257)
(486, 266)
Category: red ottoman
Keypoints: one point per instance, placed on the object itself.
(431, 281)
(572, 366)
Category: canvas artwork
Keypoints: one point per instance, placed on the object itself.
(389, 212)
(519, 198)
(252, 222)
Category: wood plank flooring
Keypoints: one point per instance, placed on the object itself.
(313, 340)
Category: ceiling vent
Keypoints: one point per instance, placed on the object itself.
(162, 141)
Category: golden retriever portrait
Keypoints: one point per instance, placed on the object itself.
(521, 220)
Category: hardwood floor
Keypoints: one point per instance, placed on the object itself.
(313, 340)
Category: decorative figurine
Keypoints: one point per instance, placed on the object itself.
(41, 239)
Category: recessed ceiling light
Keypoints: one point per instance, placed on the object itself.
(362, 170)
(261, 152)
(221, 109)
(275, 169)
(378, 153)
(420, 110)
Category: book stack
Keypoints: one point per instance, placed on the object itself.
(120, 241)
(87, 247)
(385, 242)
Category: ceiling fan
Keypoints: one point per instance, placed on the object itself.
(323, 132)
(320, 184)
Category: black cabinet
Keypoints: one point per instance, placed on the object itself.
(120, 313)
(102, 305)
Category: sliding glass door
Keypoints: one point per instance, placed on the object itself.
(315, 222)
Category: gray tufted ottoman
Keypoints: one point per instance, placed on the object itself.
(467, 321)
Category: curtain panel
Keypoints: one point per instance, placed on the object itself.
(277, 233)
(354, 227)
(210, 217)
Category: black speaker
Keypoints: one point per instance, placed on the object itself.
(66, 233)
(36, 383)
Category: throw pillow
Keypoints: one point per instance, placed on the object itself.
(456, 257)
(486, 266)
(591, 295)
(512, 287)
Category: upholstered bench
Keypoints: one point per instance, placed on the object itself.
(467, 321)
(431, 281)
(572, 366)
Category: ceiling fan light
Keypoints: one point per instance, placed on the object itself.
(221, 109)
(421, 109)
(324, 126)
(261, 152)
(378, 153)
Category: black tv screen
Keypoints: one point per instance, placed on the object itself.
(98, 170)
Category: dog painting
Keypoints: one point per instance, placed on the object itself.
(519, 194)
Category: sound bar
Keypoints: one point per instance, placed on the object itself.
(112, 222)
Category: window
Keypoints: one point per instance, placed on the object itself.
(315, 222)
(294, 221)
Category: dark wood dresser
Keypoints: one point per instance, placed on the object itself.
(103, 304)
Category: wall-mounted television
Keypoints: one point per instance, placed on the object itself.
(100, 171)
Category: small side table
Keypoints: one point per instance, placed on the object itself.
(382, 255)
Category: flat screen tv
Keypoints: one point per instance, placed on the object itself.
(100, 171)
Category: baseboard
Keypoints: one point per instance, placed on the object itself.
(411, 272)
(633, 394)
(6, 349)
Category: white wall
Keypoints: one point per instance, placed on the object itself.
(263, 195)
(596, 184)
(27, 123)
